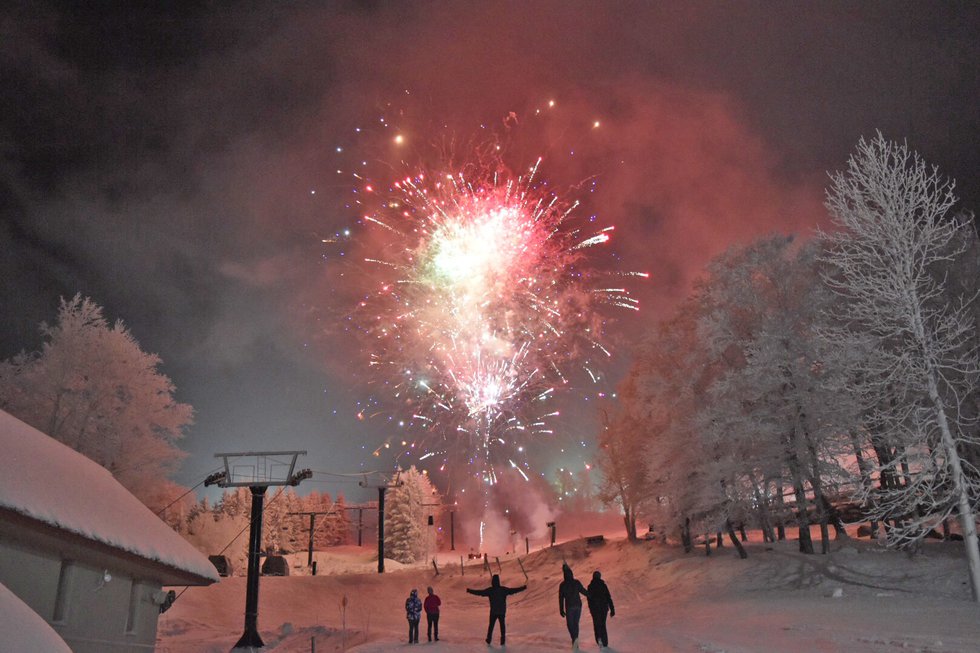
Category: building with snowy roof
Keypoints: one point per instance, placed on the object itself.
(80, 551)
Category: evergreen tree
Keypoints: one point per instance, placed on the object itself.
(406, 529)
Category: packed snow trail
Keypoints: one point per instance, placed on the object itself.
(776, 601)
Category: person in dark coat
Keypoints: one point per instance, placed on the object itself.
(497, 594)
(431, 605)
(413, 611)
(600, 602)
(569, 602)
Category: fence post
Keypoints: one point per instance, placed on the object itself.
(522, 570)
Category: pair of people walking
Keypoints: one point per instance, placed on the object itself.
(570, 605)
(413, 610)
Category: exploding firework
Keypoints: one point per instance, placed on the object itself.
(482, 300)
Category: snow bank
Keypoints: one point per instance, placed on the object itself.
(23, 629)
(50, 482)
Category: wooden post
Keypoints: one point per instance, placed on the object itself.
(499, 568)
(434, 566)
(522, 570)
(462, 570)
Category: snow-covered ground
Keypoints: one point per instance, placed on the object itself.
(858, 598)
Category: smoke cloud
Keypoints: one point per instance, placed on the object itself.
(180, 168)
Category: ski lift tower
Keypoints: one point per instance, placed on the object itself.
(382, 484)
(256, 470)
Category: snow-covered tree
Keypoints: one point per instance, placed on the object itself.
(173, 503)
(407, 537)
(93, 388)
(662, 395)
(775, 408)
(893, 212)
(339, 522)
(234, 502)
(622, 460)
(275, 520)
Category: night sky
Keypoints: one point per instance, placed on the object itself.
(179, 167)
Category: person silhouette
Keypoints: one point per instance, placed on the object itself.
(497, 594)
(569, 602)
(600, 602)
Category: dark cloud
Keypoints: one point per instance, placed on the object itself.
(164, 161)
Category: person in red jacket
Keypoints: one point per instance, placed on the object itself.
(431, 605)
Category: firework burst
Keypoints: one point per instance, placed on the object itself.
(482, 300)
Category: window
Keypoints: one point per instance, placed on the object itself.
(64, 587)
(134, 602)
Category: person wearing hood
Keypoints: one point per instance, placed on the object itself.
(497, 594)
(413, 610)
(431, 605)
(569, 602)
(600, 602)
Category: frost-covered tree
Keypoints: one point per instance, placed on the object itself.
(662, 394)
(339, 522)
(93, 388)
(896, 231)
(622, 460)
(406, 529)
(234, 502)
(775, 408)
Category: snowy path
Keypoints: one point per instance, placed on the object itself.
(665, 602)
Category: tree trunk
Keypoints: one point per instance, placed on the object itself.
(865, 477)
(833, 514)
(719, 540)
(828, 514)
(686, 535)
(960, 488)
(707, 544)
(803, 519)
(741, 531)
(764, 522)
(780, 523)
(629, 519)
(738, 545)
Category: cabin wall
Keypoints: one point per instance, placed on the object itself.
(94, 609)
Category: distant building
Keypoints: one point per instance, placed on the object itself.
(81, 551)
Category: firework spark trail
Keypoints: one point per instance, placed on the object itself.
(485, 299)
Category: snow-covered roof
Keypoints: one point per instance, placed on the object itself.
(47, 481)
(25, 630)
